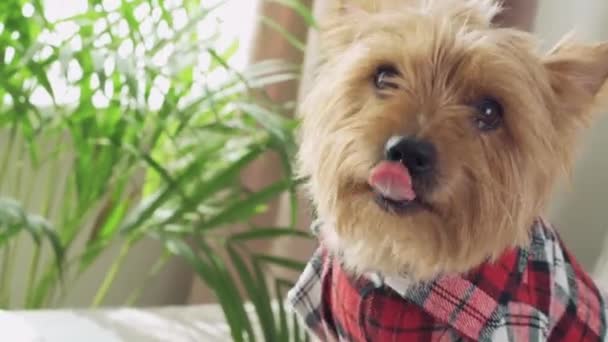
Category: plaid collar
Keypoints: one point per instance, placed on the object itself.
(536, 293)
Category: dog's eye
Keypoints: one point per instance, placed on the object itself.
(384, 77)
(489, 114)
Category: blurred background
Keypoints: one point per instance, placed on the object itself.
(145, 151)
(579, 209)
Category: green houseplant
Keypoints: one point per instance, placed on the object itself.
(155, 128)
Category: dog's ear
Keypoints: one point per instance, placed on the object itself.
(577, 73)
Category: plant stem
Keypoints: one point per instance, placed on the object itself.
(19, 172)
(51, 275)
(4, 281)
(158, 265)
(7, 154)
(5, 284)
(48, 277)
(27, 190)
(7, 275)
(46, 211)
(10, 259)
(108, 280)
(66, 221)
(32, 276)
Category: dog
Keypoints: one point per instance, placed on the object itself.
(431, 142)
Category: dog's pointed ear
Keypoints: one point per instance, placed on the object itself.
(577, 73)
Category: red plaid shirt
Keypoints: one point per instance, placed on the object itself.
(535, 294)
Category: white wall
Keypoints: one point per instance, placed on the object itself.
(580, 210)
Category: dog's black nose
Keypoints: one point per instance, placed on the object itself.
(418, 156)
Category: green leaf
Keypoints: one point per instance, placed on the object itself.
(291, 39)
(243, 209)
(47, 230)
(268, 233)
(228, 295)
(42, 77)
(8, 232)
(262, 308)
(145, 210)
(12, 218)
(209, 275)
(277, 125)
(179, 248)
(221, 59)
(279, 285)
(112, 223)
(283, 262)
(91, 252)
(189, 154)
(156, 166)
(42, 290)
(204, 189)
(266, 80)
(264, 293)
(15, 219)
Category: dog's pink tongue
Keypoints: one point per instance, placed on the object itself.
(392, 180)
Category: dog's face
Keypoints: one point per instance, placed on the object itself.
(432, 140)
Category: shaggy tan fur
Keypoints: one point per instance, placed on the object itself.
(490, 185)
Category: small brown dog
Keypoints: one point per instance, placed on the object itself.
(432, 140)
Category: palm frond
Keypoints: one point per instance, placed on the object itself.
(146, 127)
